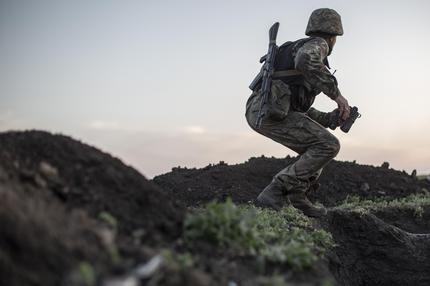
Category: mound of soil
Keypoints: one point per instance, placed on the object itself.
(406, 219)
(53, 190)
(40, 243)
(57, 198)
(243, 182)
(80, 176)
(371, 252)
(371, 249)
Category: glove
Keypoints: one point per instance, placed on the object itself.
(334, 119)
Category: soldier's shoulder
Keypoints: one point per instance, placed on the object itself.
(315, 44)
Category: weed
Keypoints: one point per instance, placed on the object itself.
(224, 225)
(109, 219)
(280, 237)
(87, 273)
(178, 261)
(114, 254)
(109, 236)
(174, 269)
(415, 202)
(423, 177)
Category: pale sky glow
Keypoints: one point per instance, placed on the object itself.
(164, 83)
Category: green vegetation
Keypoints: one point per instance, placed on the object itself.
(174, 269)
(109, 219)
(110, 245)
(87, 273)
(415, 202)
(178, 261)
(423, 177)
(282, 237)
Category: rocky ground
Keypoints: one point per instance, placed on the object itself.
(73, 215)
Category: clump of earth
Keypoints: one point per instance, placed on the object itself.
(64, 204)
(243, 182)
(71, 214)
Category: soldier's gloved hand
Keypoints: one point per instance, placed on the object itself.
(343, 106)
(334, 119)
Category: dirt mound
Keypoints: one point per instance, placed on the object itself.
(372, 252)
(40, 243)
(55, 193)
(243, 182)
(80, 176)
(406, 219)
(58, 195)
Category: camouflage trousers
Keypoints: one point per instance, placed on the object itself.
(299, 132)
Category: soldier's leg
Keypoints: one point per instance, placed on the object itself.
(313, 142)
(315, 176)
(314, 184)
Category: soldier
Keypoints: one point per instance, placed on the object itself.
(301, 73)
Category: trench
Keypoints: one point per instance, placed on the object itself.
(386, 247)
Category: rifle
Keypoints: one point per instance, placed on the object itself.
(265, 75)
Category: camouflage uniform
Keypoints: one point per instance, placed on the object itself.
(301, 73)
(300, 131)
(301, 128)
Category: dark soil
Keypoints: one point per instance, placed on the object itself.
(371, 252)
(243, 182)
(52, 191)
(40, 242)
(406, 219)
(84, 177)
(373, 249)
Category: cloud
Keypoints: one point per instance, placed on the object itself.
(104, 125)
(112, 125)
(194, 129)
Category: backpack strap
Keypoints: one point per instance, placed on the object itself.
(286, 73)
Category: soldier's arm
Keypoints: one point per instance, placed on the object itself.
(309, 60)
(322, 118)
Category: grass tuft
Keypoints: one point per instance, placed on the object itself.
(285, 237)
(415, 202)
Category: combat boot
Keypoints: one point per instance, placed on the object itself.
(273, 196)
(301, 202)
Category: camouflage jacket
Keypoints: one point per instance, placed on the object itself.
(308, 55)
(310, 59)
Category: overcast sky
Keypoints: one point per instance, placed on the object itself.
(161, 84)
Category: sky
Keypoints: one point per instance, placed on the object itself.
(162, 84)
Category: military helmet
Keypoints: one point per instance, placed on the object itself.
(325, 20)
